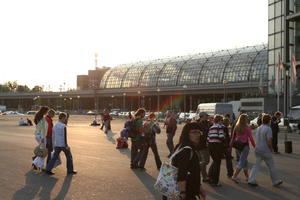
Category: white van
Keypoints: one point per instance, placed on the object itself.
(215, 108)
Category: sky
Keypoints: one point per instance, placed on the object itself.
(50, 42)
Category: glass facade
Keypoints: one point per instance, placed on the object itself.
(247, 64)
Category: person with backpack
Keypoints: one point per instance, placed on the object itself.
(136, 133)
(151, 129)
(187, 161)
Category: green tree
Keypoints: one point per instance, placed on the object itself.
(12, 85)
(23, 88)
(37, 89)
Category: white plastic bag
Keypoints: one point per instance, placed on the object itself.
(166, 182)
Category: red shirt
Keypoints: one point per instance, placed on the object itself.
(50, 126)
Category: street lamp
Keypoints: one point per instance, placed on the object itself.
(112, 101)
(78, 97)
(71, 104)
(139, 93)
(124, 95)
(158, 90)
(224, 83)
(184, 101)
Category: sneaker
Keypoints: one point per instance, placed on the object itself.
(278, 183)
(72, 172)
(252, 184)
(236, 180)
(49, 173)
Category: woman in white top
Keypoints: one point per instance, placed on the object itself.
(40, 135)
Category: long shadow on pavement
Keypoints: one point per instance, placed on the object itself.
(65, 188)
(35, 183)
(148, 182)
(227, 192)
(125, 152)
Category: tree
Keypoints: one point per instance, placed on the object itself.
(12, 85)
(37, 89)
(23, 88)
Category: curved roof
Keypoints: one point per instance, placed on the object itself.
(248, 64)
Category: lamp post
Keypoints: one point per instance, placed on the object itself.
(224, 83)
(112, 101)
(184, 100)
(71, 104)
(139, 93)
(158, 90)
(124, 96)
(78, 105)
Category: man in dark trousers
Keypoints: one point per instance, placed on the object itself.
(48, 118)
(171, 126)
(275, 129)
(59, 139)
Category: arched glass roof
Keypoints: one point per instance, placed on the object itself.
(248, 64)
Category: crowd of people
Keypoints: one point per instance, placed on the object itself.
(199, 142)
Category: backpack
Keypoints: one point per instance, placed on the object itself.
(132, 131)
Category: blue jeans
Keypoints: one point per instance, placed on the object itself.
(69, 158)
(243, 162)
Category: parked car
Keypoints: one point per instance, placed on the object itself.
(114, 114)
(12, 113)
(182, 117)
(90, 112)
(31, 112)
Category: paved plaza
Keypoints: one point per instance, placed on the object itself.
(104, 173)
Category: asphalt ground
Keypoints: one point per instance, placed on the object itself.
(104, 173)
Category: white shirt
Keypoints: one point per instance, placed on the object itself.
(58, 135)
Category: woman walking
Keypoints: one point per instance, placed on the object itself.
(240, 140)
(40, 135)
(187, 162)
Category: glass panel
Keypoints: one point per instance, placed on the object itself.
(150, 76)
(278, 40)
(278, 11)
(278, 26)
(259, 69)
(104, 79)
(271, 42)
(271, 57)
(169, 74)
(271, 27)
(132, 77)
(271, 12)
(190, 72)
(116, 77)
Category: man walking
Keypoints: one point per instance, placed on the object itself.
(263, 152)
(59, 139)
(275, 130)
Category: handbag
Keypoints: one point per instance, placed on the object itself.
(239, 145)
(41, 152)
(166, 182)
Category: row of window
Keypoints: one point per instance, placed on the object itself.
(238, 65)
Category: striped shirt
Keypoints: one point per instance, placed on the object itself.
(216, 134)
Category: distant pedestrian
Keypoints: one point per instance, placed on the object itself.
(171, 126)
(137, 133)
(216, 138)
(49, 116)
(60, 143)
(40, 136)
(106, 120)
(203, 148)
(228, 157)
(242, 133)
(263, 152)
(151, 129)
(275, 130)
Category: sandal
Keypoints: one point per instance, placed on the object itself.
(236, 180)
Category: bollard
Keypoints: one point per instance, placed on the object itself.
(288, 146)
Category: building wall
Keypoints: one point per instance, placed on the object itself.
(82, 82)
(276, 42)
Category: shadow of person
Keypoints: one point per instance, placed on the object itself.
(110, 136)
(36, 183)
(65, 188)
(125, 152)
(148, 182)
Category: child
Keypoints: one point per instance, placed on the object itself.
(122, 141)
(59, 139)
